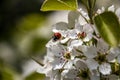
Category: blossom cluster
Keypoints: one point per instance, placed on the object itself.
(78, 52)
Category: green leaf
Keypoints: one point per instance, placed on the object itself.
(35, 76)
(108, 26)
(59, 5)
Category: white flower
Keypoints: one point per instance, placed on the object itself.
(111, 8)
(99, 11)
(77, 29)
(84, 32)
(73, 54)
(105, 68)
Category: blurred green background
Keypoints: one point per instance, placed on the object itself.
(24, 31)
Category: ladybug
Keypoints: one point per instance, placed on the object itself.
(56, 36)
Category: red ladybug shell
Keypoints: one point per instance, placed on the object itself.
(56, 36)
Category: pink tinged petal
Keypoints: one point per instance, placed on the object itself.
(92, 64)
(105, 68)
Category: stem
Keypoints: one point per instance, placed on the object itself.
(90, 11)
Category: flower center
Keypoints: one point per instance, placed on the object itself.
(84, 73)
(101, 58)
(67, 55)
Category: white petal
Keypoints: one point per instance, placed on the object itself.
(90, 51)
(47, 70)
(69, 65)
(115, 51)
(83, 13)
(51, 43)
(58, 63)
(80, 64)
(57, 50)
(75, 53)
(71, 34)
(105, 68)
(111, 8)
(118, 12)
(110, 57)
(92, 64)
(72, 17)
(95, 77)
(118, 59)
(60, 26)
(113, 77)
(76, 43)
(78, 27)
(64, 40)
(82, 21)
(88, 37)
(57, 77)
(102, 46)
(99, 11)
(87, 28)
(70, 73)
